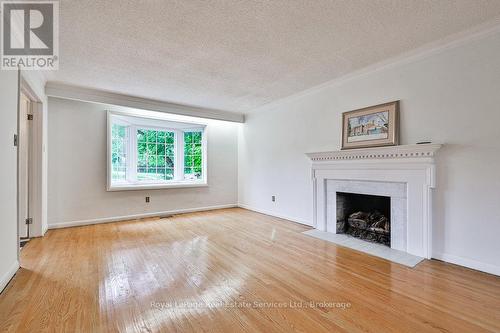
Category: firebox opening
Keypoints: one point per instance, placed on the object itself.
(364, 216)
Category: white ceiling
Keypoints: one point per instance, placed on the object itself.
(238, 55)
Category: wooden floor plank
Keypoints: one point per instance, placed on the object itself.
(257, 273)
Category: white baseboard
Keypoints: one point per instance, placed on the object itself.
(8, 276)
(135, 216)
(469, 263)
(285, 217)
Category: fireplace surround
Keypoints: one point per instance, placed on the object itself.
(405, 174)
(395, 192)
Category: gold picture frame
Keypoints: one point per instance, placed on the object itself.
(373, 126)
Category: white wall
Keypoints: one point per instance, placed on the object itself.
(77, 169)
(8, 176)
(451, 97)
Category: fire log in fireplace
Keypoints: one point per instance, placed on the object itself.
(369, 226)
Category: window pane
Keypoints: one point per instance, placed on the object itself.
(141, 148)
(197, 150)
(169, 162)
(141, 160)
(141, 135)
(170, 137)
(152, 163)
(161, 173)
(169, 175)
(160, 149)
(117, 145)
(188, 148)
(118, 131)
(151, 149)
(161, 161)
(197, 161)
(162, 137)
(197, 137)
(151, 135)
(188, 161)
(119, 141)
(169, 150)
(193, 152)
(142, 173)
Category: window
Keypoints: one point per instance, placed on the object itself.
(192, 155)
(154, 153)
(119, 140)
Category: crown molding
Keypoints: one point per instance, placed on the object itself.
(61, 90)
(452, 41)
(34, 81)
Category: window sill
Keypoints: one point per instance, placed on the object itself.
(155, 186)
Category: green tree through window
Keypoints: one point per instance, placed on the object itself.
(119, 137)
(192, 155)
(155, 155)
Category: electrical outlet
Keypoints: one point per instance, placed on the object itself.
(147, 199)
(273, 198)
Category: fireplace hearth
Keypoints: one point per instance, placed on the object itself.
(364, 216)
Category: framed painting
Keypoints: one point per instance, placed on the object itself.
(374, 126)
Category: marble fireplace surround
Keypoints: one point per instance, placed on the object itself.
(404, 173)
(395, 191)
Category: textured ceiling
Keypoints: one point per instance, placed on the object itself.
(238, 55)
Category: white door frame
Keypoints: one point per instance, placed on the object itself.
(36, 167)
(24, 167)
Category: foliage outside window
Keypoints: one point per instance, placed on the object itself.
(151, 152)
(192, 155)
(155, 155)
(119, 139)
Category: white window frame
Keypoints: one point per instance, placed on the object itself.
(163, 124)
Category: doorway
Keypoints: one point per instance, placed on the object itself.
(25, 167)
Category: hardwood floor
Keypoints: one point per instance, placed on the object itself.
(257, 274)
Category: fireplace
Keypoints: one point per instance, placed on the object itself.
(364, 216)
(405, 174)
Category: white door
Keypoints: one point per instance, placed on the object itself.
(24, 148)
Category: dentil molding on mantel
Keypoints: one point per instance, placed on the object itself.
(401, 151)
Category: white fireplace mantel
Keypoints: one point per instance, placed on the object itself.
(391, 152)
(373, 169)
